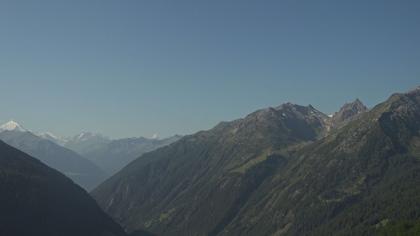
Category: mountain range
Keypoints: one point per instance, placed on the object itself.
(287, 170)
(68, 162)
(111, 155)
(87, 158)
(86, 142)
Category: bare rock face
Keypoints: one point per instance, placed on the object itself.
(347, 113)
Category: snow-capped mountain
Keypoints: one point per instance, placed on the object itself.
(77, 142)
(86, 136)
(86, 141)
(108, 154)
(45, 147)
(53, 138)
(12, 126)
(113, 154)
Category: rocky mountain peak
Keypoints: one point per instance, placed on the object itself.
(348, 112)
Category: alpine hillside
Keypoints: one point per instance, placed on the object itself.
(37, 200)
(289, 170)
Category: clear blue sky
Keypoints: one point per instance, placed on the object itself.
(139, 67)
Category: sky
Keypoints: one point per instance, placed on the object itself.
(143, 67)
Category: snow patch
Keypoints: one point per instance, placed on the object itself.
(12, 126)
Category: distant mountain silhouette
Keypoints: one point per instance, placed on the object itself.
(115, 154)
(78, 168)
(86, 142)
(111, 155)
